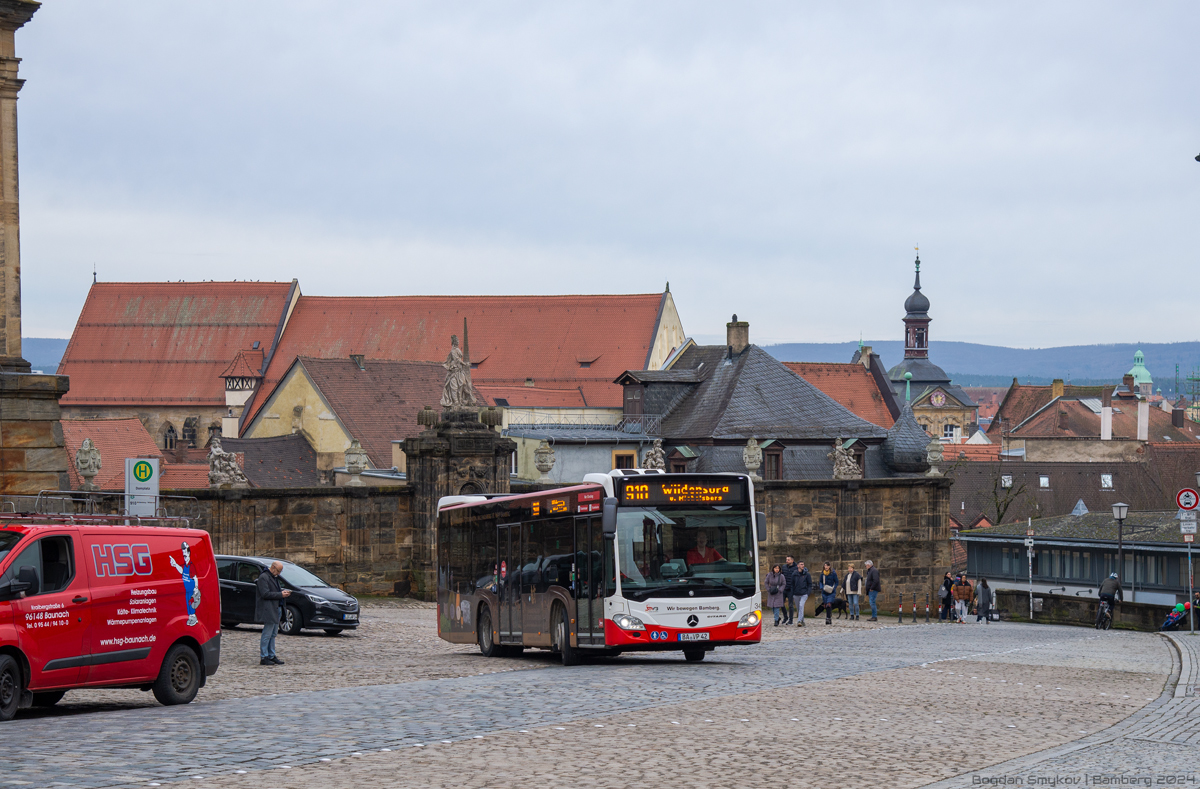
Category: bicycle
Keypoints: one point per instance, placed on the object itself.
(1104, 618)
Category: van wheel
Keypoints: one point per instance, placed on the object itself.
(11, 685)
(179, 678)
(49, 698)
(560, 638)
(693, 655)
(483, 634)
(292, 621)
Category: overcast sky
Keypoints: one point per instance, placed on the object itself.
(779, 161)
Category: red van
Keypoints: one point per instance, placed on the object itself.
(92, 603)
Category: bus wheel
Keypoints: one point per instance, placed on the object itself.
(693, 655)
(561, 638)
(487, 644)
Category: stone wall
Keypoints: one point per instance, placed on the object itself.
(902, 525)
(1071, 610)
(32, 457)
(358, 538)
(155, 420)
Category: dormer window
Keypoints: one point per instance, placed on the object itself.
(585, 364)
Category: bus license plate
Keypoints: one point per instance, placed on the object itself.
(350, 617)
(693, 636)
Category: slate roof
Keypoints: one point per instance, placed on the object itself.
(907, 444)
(278, 462)
(566, 434)
(753, 395)
(1140, 527)
(852, 385)
(166, 343)
(377, 405)
(116, 439)
(545, 338)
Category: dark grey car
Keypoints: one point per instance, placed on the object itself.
(313, 604)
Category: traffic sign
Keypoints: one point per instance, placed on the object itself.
(1029, 532)
(1189, 538)
(1187, 527)
(1187, 515)
(1028, 542)
(1188, 499)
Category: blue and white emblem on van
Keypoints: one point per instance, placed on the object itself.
(191, 592)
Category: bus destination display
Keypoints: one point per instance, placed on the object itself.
(654, 492)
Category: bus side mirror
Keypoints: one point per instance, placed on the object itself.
(608, 518)
(760, 524)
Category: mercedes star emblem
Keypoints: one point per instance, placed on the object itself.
(693, 620)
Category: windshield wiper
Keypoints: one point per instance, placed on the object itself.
(737, 590)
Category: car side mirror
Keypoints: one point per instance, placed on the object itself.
(760, 525)
(608, 518)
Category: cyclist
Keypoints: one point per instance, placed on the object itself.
(1110, 591)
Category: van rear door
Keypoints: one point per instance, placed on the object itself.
(53, 619)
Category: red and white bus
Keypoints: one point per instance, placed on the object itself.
(633, 560)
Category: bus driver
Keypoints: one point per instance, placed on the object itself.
(702, 554)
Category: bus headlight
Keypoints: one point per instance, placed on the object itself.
(750, 620)
(627, 622)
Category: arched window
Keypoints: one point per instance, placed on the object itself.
(169, 437)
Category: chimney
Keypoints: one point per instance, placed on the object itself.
(737, 335)
(1106, 414)
(1177, 417)
(1128, 382)
(1062, 419)
(1056, 388)
(1016, 384)
(1143, 420)
(865, 356)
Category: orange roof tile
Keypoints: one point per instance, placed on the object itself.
(512, 338)
(953, 452)
(184, 475)
(851, 385)
(246, 364)
(116, 439)
(533, 397)
(166, 343)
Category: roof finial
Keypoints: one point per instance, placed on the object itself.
(668, 286)
(93, 273)
(908, 387)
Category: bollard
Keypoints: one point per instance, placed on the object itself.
(927, 608)
(914, 608)
(901, 610)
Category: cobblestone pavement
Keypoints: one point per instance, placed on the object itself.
(896, 705)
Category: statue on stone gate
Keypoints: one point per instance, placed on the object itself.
(844, 464)
(752, 457)
(655, 457)
(223, 468)
(87, 463)
(458, 392)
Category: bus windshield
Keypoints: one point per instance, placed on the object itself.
(678, 552)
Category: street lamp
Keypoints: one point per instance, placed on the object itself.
(1120, 513)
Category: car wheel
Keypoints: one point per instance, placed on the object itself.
(49, 698)
(693, 655)
(484, 635)
(11, 685)
(333, 631)
(292, 621)
(560, 638)
(179, 678)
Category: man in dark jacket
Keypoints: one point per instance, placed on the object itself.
(268, 607)
(873, 588)
(790, 571)
(1110, 590)
(801, 589)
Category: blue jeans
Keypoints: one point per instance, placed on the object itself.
(852, 599)
(871, 595)
(266, 643)
(778, 616)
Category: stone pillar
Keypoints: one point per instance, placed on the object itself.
(458, 454)
(13, 14)
(32, 457)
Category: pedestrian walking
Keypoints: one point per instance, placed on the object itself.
(983, 602)
(829, 584)
(776, 586)
(873, 588)
(790, 571)
(853, 586)
(946, 598)
(801, 590)
(268, 608)
(963, 592)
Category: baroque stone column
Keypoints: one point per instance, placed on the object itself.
(13, 14)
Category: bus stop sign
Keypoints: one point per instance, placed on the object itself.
(1187, 499)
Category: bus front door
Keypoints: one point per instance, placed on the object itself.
(589, 605)
(508, 544)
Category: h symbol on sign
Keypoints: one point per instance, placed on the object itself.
(102, 556)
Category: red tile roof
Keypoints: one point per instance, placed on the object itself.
(952, 452)
(530, 397)
(512, 338)
(183, 475)
(851, 385)
(166, 343)
(246, 364)
(1024, 400)
(377, 405)
(1071, 418)
(116, 439)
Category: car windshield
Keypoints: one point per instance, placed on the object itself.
(669, 552)
(298, 576)
(7, 540)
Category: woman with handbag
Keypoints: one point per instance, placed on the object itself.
(983, 602)
(828, 583)
(946, 597)
(776, 584)
(853, 586)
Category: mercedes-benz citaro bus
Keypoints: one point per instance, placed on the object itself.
(633, 560)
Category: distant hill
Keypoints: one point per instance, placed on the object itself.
(43, 353)
(972, 364)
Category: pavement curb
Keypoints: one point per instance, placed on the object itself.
(1189, 664)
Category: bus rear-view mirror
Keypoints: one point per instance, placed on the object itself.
(760, 525)
(608, 518)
